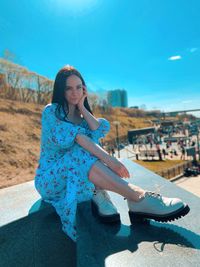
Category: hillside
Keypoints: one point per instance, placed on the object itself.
(20, 130)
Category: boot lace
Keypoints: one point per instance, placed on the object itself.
(153, 194)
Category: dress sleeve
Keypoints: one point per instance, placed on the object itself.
(57, 132)
(101, 131)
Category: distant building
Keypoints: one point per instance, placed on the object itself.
(117, 98)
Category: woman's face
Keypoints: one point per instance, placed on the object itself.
(73, 90)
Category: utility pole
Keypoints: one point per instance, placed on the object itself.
(117, 123)
(198, 144)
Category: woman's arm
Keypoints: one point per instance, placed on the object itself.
(101, 154)
(97, 128)
(92, 147)
(91, 120)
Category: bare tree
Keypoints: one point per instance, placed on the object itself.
(44, 89)
(8, 55)
(93, 101)
(25, 85)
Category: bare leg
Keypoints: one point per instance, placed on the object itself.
(102, 176)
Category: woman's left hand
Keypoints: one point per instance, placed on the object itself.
(81, 101)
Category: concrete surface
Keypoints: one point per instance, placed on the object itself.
(30, 231)
(153, 244)
(31, 235)
(191, 184)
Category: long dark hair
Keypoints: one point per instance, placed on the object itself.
(59, 90)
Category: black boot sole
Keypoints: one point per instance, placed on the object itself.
(115, 218)
(139, 217)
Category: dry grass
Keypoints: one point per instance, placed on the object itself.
(19, 141)
(20, 130)
(126, 122)
(158, 166)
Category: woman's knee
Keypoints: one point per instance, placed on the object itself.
(102, 176)
(95, 169)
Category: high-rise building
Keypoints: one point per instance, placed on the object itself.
(117, 98)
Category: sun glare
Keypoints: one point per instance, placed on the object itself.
(76, 6)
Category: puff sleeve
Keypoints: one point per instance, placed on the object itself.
(56, 132)
(101, 131)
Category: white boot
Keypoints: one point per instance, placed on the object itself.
(103, 207)
(156, 207)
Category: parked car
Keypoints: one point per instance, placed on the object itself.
(193, 171)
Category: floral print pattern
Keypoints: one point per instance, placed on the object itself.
(63, 167)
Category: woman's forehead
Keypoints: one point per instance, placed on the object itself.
(73, 79)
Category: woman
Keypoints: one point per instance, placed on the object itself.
(72, 164)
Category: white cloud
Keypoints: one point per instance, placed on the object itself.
(174, 57)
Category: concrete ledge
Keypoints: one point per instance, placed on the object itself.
(30, 232)
(16, 201)
(31, 235)
(152, 244)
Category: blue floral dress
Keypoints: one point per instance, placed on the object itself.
(63, 167)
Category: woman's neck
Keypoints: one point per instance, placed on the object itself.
(72, 111)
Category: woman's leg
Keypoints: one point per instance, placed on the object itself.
(101, 176)
(152, 205)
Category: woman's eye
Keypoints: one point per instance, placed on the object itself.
(70, 88)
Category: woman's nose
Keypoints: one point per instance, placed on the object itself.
(74, 93)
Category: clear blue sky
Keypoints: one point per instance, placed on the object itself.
(151, 48)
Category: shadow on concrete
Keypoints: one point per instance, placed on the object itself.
(154, 239)
(36, 240)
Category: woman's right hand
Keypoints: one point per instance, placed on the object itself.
(117, 166)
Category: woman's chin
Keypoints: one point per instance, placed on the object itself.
(73, 102)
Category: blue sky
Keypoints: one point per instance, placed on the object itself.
(151, 48)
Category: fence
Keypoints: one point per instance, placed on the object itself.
(175, 171)
(149, 153)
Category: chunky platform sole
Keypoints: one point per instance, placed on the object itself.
(139, 217)
(115, 218)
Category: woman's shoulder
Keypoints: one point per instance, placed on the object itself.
(50, 106)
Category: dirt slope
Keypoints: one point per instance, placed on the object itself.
(20, 129)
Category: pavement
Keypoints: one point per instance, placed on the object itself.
(191, 184)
